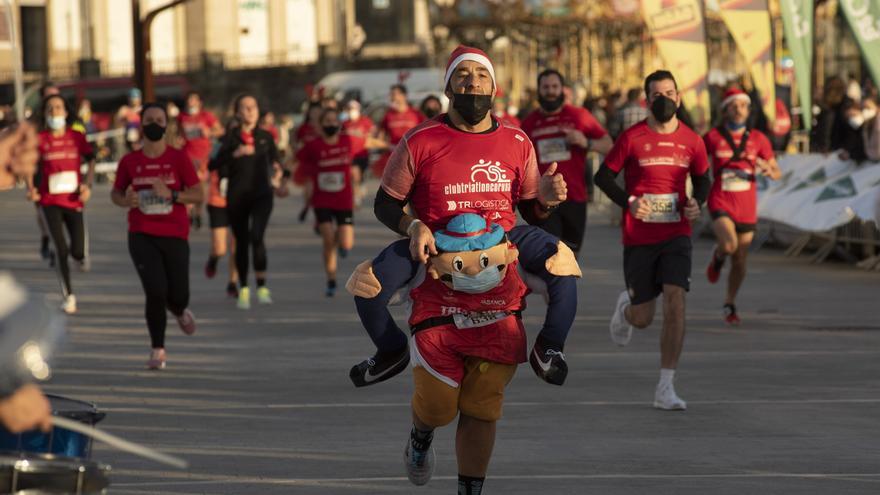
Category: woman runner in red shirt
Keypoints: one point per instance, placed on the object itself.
(155, 183)
(61, 193)
(327, 163)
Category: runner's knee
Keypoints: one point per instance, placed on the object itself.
(482, 389)
(435, 403)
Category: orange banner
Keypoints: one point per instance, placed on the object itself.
(677, 28)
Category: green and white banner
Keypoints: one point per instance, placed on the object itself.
(797, 22)
(864, 19)
(818, 193)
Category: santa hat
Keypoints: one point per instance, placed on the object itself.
(734, 94)
(463, 53)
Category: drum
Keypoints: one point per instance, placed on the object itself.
(58, 441)
(49, 474)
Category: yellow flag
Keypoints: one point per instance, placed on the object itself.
(749, 23)
(677, 28)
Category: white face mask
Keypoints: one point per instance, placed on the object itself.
(354, 114)
(869, 113)
(856, 121)
(56, 123)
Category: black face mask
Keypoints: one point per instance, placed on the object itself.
(431, 112)
(154, 131)
(330, 130)
(551, 105)
(472, 108)
(663, 109)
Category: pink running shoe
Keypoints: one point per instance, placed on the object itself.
(157, 359)
(187, 322)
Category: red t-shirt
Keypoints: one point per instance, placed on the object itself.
(546, 131)
(657, 166)
(196, 141)
(509, 119)
(397, 124)
(444, 172)
(305, 133)
(156, 216)
(60, 159)
(216, 197)
(358, 131)
(328, 166)
(433, 298)
(734, 189)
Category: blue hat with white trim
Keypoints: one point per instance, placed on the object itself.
(468, 232)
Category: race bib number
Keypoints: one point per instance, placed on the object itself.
(553, 150)
(331, 181)
(478, 318)
(735, 181)
(223, 187)
(63, 182)
(193, 132)
(151, 204)
(664, 208)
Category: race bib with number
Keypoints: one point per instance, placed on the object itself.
(63, 182)
(193, 131)
(478, 318)
(331, 181)
(553, 150)
(151, 204)
(664, 208)
(735, 181)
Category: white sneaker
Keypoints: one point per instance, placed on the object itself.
(621, 330)
(69, 304)
(666, 399)
(419, 465)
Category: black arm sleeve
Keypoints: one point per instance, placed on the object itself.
(702, 183)
(605, 179)
(528, 211)
(220, 163)
(389, 210)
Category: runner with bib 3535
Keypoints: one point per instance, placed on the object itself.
(656, 156)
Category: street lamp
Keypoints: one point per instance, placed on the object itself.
(143, 63)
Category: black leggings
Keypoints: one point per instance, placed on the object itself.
(249, 218)
(163, 265)
(57, 218)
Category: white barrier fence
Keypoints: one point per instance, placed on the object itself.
(831, 203)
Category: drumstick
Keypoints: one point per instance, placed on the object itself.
(119, 443)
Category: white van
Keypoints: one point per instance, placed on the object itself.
(372, 86)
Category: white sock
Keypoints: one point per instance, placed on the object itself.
(666, 376)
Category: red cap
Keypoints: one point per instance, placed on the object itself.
(463, 53)
(732, 94)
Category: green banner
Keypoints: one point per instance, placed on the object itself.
(797, 20)
(864, 19)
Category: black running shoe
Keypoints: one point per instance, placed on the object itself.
(378, 368)
(232, 290)
(549, 364)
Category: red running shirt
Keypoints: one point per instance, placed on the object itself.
(397, 124)
(328, 166)
(305, 133)
(156, 216)
(546, 132)
(358, 131)
(60, 159)
(734, 188)
(433, 298)
(657, 166)
(443, 172)
(196, 142)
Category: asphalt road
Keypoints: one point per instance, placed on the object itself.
(260, 401)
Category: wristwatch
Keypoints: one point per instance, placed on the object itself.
(174, 196)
